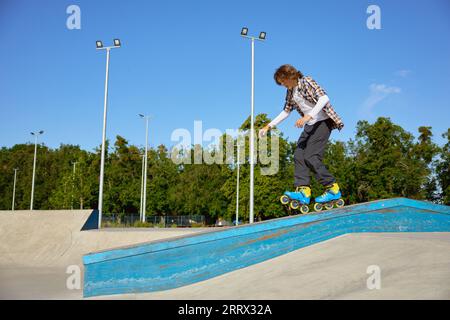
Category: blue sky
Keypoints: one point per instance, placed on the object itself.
(183, 61)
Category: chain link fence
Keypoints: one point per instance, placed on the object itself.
(178, 221)
(130, 220)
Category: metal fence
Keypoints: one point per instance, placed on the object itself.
(121, 219)
(179, 221)
(160, 221)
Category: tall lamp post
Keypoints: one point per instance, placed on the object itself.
(262, 37)
(100, 46)
(142, 187)
(35, 134)
(144, 202)
(73, 181)
(237, 181)
(14, 189)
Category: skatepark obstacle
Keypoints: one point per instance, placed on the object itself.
(176, 262)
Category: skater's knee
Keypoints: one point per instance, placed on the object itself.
(299, 151)
(313, 161)
(299, 156)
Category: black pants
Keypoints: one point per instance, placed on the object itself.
(309, 154)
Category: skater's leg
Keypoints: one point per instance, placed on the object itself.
(313, 153)
(301, 171)
(302, 194)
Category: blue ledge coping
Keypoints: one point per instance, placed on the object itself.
(207, 236)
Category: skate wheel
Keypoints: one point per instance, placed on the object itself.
(304, 209)
(295, 204)
(340, 203)
(284, 199)
(329, 205)
(318, 207)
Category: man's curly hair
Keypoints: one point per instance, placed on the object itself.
(286, 71)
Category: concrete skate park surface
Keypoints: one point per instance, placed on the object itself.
(413, 266)
(173, 263)
(37, 247)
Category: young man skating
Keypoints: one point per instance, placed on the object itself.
(318, 119)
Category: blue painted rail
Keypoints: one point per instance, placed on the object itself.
(167, 264)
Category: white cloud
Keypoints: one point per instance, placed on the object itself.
(378, 92)
(383, 89)
(403, 73)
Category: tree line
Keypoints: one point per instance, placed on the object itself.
(382, 161)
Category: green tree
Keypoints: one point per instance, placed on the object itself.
(387, 164)
(382, 161)
(443, 170)
(198, 190)
(427, 151)
(162, 178)
(122, 178)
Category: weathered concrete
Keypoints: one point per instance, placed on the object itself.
(34, 255)
(170, 264)
(37, 247)
(413, 266)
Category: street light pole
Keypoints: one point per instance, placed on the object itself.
(14, 189)
(144, 203)
(35, 134)
(73, 182)
(102, 161)
(237, 184)
(262, 37)
(142, 187)
(144, 206)
(252, 136)
(99, 45)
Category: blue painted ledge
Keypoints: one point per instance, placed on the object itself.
(172, 263)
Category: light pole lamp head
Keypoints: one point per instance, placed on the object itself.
(117, 43)
(99, 44)
(41, 132)
(262, 36)
(244, 31)
(144, 116)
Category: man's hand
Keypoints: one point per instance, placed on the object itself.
(264, 131)
(301, 122)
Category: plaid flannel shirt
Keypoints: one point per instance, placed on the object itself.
(311, 92)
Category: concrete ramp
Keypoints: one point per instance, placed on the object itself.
(168, 264)
(37, 247)
(38, 238)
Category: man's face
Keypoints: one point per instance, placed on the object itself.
(289, 83)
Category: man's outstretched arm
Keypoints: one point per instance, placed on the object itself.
(280, 118)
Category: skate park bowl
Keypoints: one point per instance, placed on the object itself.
(188, 259)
